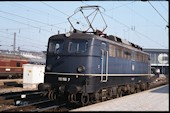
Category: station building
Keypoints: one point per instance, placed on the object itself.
(159, 58)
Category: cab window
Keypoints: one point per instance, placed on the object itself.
(56, 46)
(77, 46)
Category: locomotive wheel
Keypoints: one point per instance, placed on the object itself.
(132, 89)
(49, 94)
(119, 93)
(84, 99)
(138, 88)
(128, 89)
(110, 95)
(71, 97)
(54, 96)
(147, 86)
(97, 97)
(143, 86)
(92, 98)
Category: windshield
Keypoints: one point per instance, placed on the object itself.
(74, 46)
(56, 46)
(77, 46)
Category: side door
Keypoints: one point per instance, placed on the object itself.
(104, 62)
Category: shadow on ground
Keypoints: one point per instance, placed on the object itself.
(164, 89)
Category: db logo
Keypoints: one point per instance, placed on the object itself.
(163, 58)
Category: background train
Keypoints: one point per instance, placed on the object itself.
(11, 65)
(86, 67)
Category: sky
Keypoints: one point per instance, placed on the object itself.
(142, 23)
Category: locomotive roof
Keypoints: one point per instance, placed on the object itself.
(110, 39)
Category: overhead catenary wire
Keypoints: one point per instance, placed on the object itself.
(126, 5)
(19, 43)
(134, 30)
(120, 6)
(163, 6)
(26, 24)
(64, 22)
(38, 11)
(54, 8)
(158, 12)
(39, 28)
(130, 28)
(36, 41)
(58, 10)
(21, 40)
(158, 26)
(28, 19)
(21, 22)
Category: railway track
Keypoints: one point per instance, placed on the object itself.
(29, 101)
(16, 97)
(44, 105)
(8, 83)
(34, 101)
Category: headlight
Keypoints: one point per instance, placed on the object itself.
(49, 67)
(81, 69)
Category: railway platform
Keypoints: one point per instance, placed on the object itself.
(156, 99)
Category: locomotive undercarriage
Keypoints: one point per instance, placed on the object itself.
(102, 94)
(108, 93)
(119, 91)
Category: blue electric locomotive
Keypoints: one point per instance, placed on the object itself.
(88, 67)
